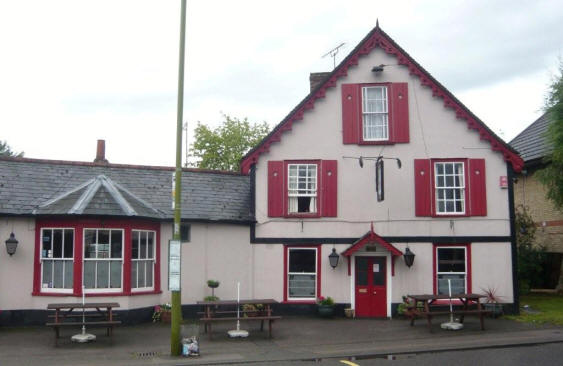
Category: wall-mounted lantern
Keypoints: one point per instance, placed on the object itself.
(409, 257)
(11, 244)
(333, 258)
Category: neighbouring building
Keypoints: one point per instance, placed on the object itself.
(530, 194)
(307, 191)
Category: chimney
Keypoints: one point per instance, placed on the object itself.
(315, 78)
(101, 152)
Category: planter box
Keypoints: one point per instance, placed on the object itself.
(166, 316)
(495, 309)
(325, 311)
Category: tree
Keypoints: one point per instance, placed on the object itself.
(223, 147)
(5, 150)
(530, 256)
(552, 175)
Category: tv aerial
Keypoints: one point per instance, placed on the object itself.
(332, 53)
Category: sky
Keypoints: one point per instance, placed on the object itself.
(73, 72)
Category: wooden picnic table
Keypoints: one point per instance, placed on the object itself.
(226, 310)
(471, 305)
(97, 314)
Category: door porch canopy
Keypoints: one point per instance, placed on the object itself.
(371, 238)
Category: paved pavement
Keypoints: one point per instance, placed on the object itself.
(295, 339)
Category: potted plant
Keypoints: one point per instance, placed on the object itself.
(492, 302)
(162, 313)
(325, 306)
(213, 284)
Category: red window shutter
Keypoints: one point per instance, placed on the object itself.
(351, 118)
(399, 112)
(275, 188)
(477, 188)
(329, 188)
(422, 187)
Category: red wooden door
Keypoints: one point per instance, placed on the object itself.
(371, 290)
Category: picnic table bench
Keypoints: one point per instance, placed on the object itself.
(97, 314)
(426, 306)
(214, 311)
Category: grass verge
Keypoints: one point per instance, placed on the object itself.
(549, 309)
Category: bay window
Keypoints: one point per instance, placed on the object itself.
(113, 256)
(57, 259)
(142, 259)
(103, 259)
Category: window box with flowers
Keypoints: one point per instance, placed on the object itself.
(325, 306)
(162, 313)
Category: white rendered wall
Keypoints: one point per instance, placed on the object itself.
(435, 132)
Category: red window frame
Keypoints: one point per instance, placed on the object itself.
(286, 164)
(467, 183)
(468, 271)
(286, 249)
(127, 225)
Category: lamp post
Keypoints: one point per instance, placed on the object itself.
(176, 301)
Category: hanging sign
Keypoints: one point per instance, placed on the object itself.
(379, 180)
(174, 267)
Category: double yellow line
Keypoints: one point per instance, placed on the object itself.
(349, 363)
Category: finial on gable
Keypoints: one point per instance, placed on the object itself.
(376, 22)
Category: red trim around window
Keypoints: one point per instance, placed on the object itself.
(107, 223)
(286, 163)
(285, 270)
(467, 264)
(466, 182)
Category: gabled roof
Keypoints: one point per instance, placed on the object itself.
(531, 143)
(378, 38)
(369, 238)
(48, 187)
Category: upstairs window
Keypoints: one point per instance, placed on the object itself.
(302, 188)
(57, 259)
(375, 113)
(450, 187)
(306, 188)
(375, 116)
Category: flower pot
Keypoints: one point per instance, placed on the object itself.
(165, 316)
(495, 309)
(349, 313)
(326, 311)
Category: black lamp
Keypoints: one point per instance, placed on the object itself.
(409, 257)
(333, 258)
(11, 244)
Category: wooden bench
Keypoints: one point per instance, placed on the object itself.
(413, 313)
(96, 315)
(270, 319)
(96, 324)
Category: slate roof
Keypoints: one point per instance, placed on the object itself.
(48, 187)
(531, 143)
